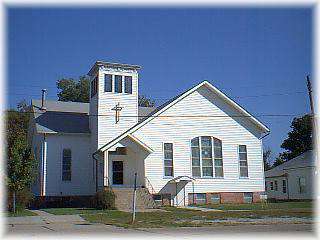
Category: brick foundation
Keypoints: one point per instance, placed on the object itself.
(227, 197)
(231, 197)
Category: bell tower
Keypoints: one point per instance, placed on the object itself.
(113, 100)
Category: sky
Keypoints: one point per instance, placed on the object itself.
(257, 56)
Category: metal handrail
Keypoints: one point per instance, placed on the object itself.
(108, 182)
(149, 183)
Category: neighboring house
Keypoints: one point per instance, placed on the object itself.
(198, 147)
(293, 179)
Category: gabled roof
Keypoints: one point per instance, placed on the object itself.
(306, 159)
(178, 98)
(61, 117)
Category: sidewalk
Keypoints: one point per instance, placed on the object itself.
(44, 217)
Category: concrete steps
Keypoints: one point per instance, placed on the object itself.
(124, 199)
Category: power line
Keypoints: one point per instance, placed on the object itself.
(245, 96)
(169, 116)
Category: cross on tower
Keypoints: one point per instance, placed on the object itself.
(117, 108)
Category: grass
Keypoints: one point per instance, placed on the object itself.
(72, 211)
(21, 213)
(260, 206)
(178, 217)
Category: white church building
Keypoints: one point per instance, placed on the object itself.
(199, 147)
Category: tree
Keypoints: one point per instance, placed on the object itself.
(299, 139)
(266, 159)
(144, 101)
(278, 162)
(20, 168)
(17, 122)
(73, 90)
(20, 162)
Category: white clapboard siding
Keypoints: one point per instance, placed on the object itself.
(106, 129)
(82, 179)
(181, 130)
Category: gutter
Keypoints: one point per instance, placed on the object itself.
(264, 136)
(93, 156)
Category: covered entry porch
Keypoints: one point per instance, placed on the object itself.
(119, 163)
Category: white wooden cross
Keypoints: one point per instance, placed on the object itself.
(117, 108)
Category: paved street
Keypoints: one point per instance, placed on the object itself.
(46, 223)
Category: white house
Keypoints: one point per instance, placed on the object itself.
(199, 147)
(293, 179)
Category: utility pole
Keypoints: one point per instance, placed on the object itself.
(310, 96)
(134, 199)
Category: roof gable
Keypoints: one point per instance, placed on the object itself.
(178, 98)
(306, 159)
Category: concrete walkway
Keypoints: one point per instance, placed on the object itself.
(47, 218)
(203, 209)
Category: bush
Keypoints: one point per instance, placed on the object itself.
(105, 199)
(23, 199)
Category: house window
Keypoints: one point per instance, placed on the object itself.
(201, 198)
(247, 197)
(118, 84)
(195, 157)
(284, 186)
(197, 198)
(128, 84)
(94, 86)
(276, 185)
(206, 157)
(66, 165)
(168, 159)
(302, 185)
(218, 163)
(202, 161)
(271, 186)
(108, 83)
(215, 198)
(243, 161)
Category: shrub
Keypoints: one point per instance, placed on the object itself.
(23, 199)
(105, 199)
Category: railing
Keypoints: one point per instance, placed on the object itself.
(108, 182)
(149, 185)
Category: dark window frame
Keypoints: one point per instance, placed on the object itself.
(128, 87)
(245, 161)
(66, 165)
(167, 159)
(118, 84)
(108, 80)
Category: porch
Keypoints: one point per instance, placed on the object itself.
(119, 163)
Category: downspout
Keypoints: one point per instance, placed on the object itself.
(94, 157)
(265, 186)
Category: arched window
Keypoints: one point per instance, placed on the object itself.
(204, 150)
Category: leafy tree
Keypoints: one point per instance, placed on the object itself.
(20, 162)
(20, 168)
(266, 159)
(17, 122)
(144, 101)
(73, 90)
(299, 138)
(278, 162)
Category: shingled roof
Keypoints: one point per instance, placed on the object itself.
(67, 117)
(306, 159)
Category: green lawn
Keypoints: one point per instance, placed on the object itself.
(72, 211)
(261, 206)
(21, 213)
(177, 217)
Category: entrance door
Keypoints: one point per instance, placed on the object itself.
(117, 172)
